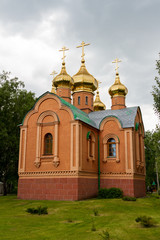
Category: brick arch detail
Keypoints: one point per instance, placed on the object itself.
(107, 119)
(43, 98)
(40, 125)
(45, 114)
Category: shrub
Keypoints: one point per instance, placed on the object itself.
(110, 193)
(93, 228)
(95, 211)
(69, 220)
(145, 221)
(39, 210)
(127, 198)
(105, 235)
(159, 192)
(102, 193)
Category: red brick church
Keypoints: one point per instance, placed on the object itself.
(70, 146)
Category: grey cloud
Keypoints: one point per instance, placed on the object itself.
(124, 29)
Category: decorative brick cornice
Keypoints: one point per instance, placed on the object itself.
(58, 173)
(114, 173)
(48, 173)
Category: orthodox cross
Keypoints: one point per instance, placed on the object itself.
(53, 87)
(98, 84)
(116, 61)
(53, 73)
(83, 44)
(63, 49)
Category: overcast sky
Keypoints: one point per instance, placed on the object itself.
(32, 32)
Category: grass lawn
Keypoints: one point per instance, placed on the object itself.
(74, 220)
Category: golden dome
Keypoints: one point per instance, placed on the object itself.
(83, 80)
(118, 89)
(98, 105)
(63, 79)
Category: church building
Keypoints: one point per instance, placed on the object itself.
(70, 146)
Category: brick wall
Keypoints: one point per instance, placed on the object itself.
(57, 188)
(130, 187)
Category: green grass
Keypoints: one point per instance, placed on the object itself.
(74, 220)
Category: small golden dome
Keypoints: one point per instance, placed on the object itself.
(98, 105)
(118, 89)
(63, 79)
(53, 90)
(83, 80)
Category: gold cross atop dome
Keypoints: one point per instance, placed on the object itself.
(83, 44)
(53, 73)
(98, 84)
(63, 49)
(116, 61)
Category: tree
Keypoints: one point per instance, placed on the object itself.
(15, 102)
(156, 90)
(152, 154)
(150, 158)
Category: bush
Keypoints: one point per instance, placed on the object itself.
(127, 198)
(145, 221)
(69, 220)
(110, 193)
(95, 211)
(105, 235)
(159, 192)
(102, 193)
(39, 210)
(93, 228)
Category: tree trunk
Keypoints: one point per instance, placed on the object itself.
(4, 188)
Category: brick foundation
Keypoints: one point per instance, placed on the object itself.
(139, 188)
(130, 187)
(75, 188)
(57, 188)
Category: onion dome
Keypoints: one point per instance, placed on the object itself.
(98, 105)
(53, 90)
(63, 79)
(118, 89)
(83, 80)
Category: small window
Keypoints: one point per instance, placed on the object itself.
(111, 147)
(90, 146)
(86, 100)
(79, 100)
(48, 140)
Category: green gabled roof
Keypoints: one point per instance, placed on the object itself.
(77, 113)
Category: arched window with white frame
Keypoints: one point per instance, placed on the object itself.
(111, 148)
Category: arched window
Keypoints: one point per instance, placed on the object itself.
(91, 146)
(86, 102)
(111, 148)
(48, 140)
(111, 145)
(79, 100)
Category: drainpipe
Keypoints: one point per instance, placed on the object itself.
(98, 166)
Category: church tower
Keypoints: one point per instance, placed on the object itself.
(63, 82)
(98, 104)
(117, 91)
(84, 86)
